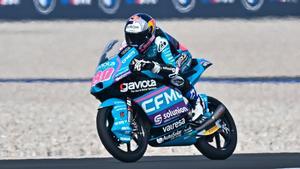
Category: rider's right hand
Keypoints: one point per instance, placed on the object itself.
(140, 65)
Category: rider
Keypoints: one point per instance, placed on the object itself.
(165, 56)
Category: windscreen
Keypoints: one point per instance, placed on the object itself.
(111, 49)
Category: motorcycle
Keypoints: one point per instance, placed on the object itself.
(138, 109)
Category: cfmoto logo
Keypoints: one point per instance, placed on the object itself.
(109, 6)
(44, 6)
(159, 101)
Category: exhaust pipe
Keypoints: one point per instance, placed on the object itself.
(217, 114)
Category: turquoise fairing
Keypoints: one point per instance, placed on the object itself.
(187, 139)
(121, 127)
(120, 68)
(199, 68)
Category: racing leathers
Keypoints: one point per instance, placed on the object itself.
(169, 59)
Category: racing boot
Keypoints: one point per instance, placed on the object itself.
(198, 103)
(204, 108)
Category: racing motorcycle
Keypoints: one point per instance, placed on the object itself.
(138, 109)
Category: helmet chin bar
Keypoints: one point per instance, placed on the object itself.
(144, 46)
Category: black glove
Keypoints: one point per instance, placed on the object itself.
(140, 65)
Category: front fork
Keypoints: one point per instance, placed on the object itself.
(122, 117)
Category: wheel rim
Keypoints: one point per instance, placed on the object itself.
(137, 136)
(222, 139)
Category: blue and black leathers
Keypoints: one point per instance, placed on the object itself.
(167, 58)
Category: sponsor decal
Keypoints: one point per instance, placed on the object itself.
(135, 27)
(188, 130)
(169, 137)
(160, 140)
(144, 85)
(81, 2)
(102, 76)
(161, 44)
(128, 56)
(158, 119)
(109, 6)
(121, 122)
(184, 6)
(252, 5)
(174, 125)
(160, 101)
(122, 75)
(44, 7)
(183, 58)
(205, 63)
(142, 2)
(170, 114)
(287, 1)
(76, 2)
(124, 51)
(107, 64)
(9, 2)
(217, 1)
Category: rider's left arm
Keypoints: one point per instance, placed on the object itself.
(163, 47)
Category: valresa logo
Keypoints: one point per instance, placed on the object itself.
(138, 86)
(174, 125)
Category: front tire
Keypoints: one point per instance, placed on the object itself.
(222, 143)
(114, 146)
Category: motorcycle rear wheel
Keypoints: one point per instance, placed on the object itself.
(114, 146)
(220, 145)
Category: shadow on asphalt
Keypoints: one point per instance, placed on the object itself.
(265, 160)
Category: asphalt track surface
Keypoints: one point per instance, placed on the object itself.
(280, 160)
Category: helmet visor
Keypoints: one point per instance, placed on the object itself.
(137, 39)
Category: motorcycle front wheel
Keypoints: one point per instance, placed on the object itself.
(126, 152)
(221, 144)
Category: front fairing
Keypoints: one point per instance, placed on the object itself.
(112, 70)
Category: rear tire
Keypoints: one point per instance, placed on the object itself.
(223, 148)
(113, 145)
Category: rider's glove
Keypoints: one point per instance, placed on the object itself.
(140, 65)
